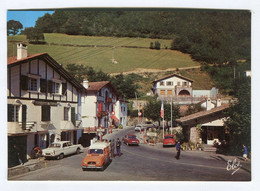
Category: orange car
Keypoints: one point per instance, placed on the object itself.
(168, 140)
(97, 157)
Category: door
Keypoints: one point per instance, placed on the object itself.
(21, 143)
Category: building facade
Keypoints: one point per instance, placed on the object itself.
(42, 103)
(98, 103)
(206, 126)
(173, 86)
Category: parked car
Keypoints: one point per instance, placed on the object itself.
(149, 124)
(168, 140)
(60, 149)
(97, 157)
(139, 127)
(130, 140)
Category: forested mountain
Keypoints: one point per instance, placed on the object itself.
(211, 36)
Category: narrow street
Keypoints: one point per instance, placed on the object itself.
(142, 163)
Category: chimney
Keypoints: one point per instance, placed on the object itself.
(218, 102)
(21, 51)
(85, 83)
(209, 104)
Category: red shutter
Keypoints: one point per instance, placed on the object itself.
(100, 107)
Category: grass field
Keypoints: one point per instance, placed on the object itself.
(67, 50)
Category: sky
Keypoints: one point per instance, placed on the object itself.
(26, 18)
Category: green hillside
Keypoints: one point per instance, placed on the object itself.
(97, 52)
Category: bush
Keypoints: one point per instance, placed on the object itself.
(120, 126)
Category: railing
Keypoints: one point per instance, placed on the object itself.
(182, 99)
(28, 126)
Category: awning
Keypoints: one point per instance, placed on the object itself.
(115, 118)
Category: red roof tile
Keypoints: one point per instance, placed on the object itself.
(12, 60)
(202, 113)
(96, 86)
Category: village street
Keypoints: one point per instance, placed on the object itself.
(145, 163)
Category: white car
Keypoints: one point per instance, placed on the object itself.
(139, 127)
(60, 149)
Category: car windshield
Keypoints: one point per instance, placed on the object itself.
(132, 137)
(95, 151)
(54, 145)
(168, 137)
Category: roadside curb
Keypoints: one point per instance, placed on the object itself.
(22, 169)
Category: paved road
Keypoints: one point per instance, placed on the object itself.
(142, 163)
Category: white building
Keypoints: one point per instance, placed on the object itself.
(99, 105)
(42, 103)
(179, 89)
(173, 86)
(121, 111)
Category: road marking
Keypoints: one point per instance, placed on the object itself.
(188, 164)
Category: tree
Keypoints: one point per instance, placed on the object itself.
(45, 24)
(34, 35)
(152, 110)
(239, 121)
(13, 27)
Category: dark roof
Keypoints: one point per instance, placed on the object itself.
(96, 86)
(12, 61)
(202, 113)
(179, 76)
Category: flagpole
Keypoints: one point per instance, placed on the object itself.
(171, 115)
(163, 120)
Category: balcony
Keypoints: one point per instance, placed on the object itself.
(28, 125)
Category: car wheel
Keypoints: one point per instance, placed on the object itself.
(102, 168)
(77, 151)
(61, 156)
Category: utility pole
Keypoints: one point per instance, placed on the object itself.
(137, 107)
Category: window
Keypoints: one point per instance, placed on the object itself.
(66, 113)
(184, 83)
(178, 83)
(65, 145)
(169, 83)
(30, 82)
(33, 84)
(162, 92)
(57, 88)
(13, 113)
(46, 113)
(161, 83)
(169, 92)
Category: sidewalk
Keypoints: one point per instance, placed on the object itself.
(30, 165)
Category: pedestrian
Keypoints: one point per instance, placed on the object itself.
(112, 148)
(118, 147)
(245, 152)
(109, 148)
(18, 154)
(178, 149)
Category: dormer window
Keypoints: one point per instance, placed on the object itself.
(162, 83)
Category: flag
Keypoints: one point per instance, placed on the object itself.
(162, 110)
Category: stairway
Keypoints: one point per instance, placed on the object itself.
(209, 148)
